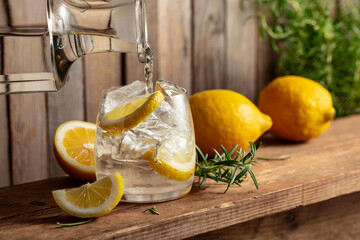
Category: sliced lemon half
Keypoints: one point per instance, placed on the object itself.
(131, 114)
(178, 167)
(91, 200)
(74, 149)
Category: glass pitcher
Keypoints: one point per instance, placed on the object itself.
(73, 29)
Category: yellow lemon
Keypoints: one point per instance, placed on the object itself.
(300, 108)
(224, 117)
(131, 114)
(178, 166)
(91, 200)
(74, 149)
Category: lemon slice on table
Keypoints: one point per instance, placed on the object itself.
(179, 166)
(74, 149)
(131, 114)
(92, 199)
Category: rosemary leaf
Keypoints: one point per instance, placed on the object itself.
(203, 181)
(200, 153)
(253, 178)
(233, 150)
(228, 156)
(228, 162)
(75, 223)
(233, 177)
(152, 210)
(253, 150)
(217, 154)
(242, 173)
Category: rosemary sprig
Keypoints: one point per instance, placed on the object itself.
(152, 210)
(75, 223)
(226, 168)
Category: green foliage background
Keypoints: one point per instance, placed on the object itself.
(317, 39)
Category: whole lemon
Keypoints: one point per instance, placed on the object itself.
(300, 108)
(224, 117)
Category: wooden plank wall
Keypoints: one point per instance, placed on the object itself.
(199, 44)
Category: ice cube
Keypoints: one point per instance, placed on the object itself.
(175, 118)
(135, 142)
(117, 96)
(132, 145)
(170, 88)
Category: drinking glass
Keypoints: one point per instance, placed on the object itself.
(156, 158)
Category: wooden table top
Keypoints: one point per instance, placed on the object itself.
(321, 169)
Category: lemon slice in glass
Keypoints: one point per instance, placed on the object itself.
(131, 114)
(179, 166)
(91, 200)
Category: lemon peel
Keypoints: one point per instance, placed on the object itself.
(74, 149)
(131, 114)
(178, 167)
(91, 200)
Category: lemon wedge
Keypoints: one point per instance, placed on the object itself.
(91, 200)
(179, 166)
(131, 114)
(74, 149)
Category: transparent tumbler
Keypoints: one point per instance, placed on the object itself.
(148, 138)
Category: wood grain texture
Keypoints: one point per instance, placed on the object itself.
(3, 15)
(101, 71)
(266, 59)
(241, 42)
(27, 13)
(318, 170)
(174, 42)
(29, 147)
(209, 44)
(337, 218)
(65, 105)
(266, 65)
(5, 178)
(5, 173)
(133, 68)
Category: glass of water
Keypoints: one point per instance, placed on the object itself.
(148, 138)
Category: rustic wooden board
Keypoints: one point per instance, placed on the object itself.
(29, 138)
(337, 218)
(65, 105)
(27, 112)
(3, 15)
(5, 177)
(101, 71)
(174, 42)
(27, 13)
(241, 42)
(321, 169)
(209, 45)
